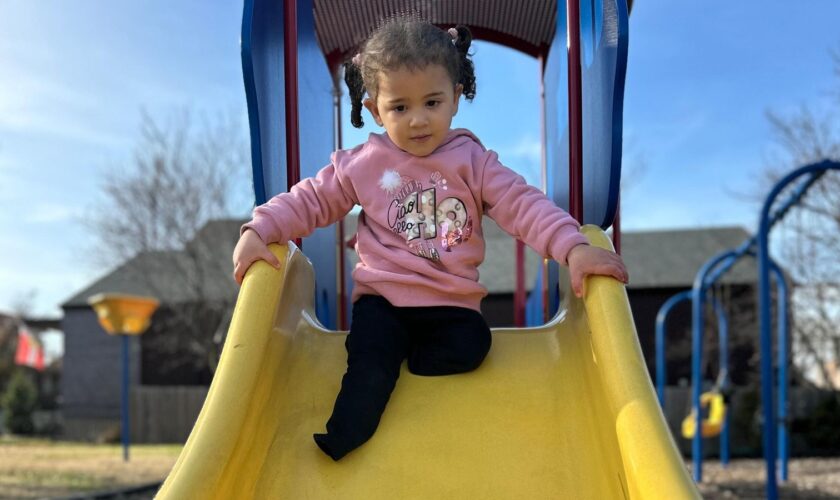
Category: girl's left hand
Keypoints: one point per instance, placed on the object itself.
(585, 260)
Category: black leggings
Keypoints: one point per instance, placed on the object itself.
(439, 340)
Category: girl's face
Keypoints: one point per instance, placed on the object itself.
(415, 107)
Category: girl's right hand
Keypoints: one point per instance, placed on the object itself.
(585, 260)
(249, 249)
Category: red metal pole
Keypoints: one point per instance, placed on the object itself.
(290, 77)
(341, 248)
(575, 112)
(545, 296)
(519, 295)
(616, 226)
(544, 167)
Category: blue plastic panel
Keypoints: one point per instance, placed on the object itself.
(556, 88)
(262, 66)
(262, 71)
(604, 39)
(317, 142)
(604, 59)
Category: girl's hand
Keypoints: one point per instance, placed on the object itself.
(249, 249)
(585, 260)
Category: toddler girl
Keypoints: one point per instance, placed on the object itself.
(423, 189)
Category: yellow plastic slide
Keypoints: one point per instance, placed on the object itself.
(566, 410)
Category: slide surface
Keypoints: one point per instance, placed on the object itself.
(566, 410)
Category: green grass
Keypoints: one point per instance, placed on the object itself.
(71, 480)
(34, 468)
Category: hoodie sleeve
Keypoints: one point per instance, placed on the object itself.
(525, 212)
(311, 203)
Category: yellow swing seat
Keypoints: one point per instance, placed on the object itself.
(710, 426)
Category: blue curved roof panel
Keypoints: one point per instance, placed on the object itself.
(604, 42)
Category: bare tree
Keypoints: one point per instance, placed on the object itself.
(808, 240)
(149, 215)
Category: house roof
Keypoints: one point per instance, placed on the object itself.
(655, 259)
(172, 276)
(671, 258)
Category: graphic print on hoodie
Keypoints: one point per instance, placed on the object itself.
(415, 213)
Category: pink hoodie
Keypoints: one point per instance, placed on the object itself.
(419, 235)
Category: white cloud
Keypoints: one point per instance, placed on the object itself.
(640, 211)
(53, 212)
(8, 182)
(528, 148)
(43, 104)
(524, 156)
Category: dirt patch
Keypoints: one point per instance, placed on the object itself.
(37, 469)
(808, 478)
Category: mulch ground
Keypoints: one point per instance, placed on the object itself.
(808, 478)
(38, 469)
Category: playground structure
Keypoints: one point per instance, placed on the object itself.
(718, 420)
(562, 410)
(716, 400)
(775, 444)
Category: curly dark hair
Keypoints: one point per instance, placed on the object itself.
(412, 43)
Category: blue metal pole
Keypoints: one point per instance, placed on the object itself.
(698, 297)
(782, 342)
(698, 301)
(764, 312)
(766, 350)
(661, 368)
(661, 317)
(724, 438)
(723, 380)
(126, 380)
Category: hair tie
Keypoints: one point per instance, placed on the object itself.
(454, 34)
(357, 60)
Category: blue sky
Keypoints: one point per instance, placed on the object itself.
(74, 79)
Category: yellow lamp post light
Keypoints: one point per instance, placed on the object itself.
(124, 315)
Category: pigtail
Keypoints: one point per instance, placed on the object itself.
(462, 45)
(356, 87)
